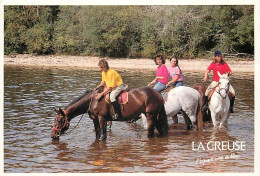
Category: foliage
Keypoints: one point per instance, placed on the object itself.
(129, 31)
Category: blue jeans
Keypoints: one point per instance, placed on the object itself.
(177, 83)
(159, 86)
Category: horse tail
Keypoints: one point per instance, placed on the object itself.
(164, 120)
(199, 115)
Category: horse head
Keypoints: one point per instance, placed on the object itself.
(223, 84)
(61, 124)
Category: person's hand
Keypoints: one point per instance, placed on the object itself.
(204, 79)
(95, 88)
(98, 96)
(153, 82)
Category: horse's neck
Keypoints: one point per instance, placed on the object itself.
(217, 95)
(79, 107)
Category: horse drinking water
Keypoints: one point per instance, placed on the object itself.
(140, 100)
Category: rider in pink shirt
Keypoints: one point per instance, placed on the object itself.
(175, 73)
(162, 74)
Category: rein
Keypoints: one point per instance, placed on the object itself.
(220, 90)
(81, 116)
(67, 122)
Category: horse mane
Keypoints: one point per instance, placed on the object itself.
(79, 98)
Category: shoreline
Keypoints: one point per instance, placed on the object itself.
(90, 62)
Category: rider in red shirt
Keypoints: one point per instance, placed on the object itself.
(218, 65)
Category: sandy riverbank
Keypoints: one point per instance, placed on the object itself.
(85, 62)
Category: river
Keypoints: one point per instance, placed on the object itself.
(31, 93)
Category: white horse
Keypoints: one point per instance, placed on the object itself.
(219, 103)
(188, 101)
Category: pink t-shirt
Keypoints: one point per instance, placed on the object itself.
(222, 68)
(175, 71)
(162, 72)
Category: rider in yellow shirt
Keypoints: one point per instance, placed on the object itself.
(114, 84)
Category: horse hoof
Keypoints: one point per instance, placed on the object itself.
(103, 138)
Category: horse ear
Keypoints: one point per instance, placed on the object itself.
(56, 110)
(61, 112)
(228, 74)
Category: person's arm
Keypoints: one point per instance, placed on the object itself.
(106, 90)
(153, 82)
(228, 70)
(206, 76)
(174, 80)
(102, 83)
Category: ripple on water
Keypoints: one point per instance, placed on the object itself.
(31, 94)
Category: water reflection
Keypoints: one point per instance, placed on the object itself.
(31, 93)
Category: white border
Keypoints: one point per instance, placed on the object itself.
(140, 2)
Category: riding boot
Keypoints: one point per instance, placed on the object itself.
(117, 111)
(232, 100)
(205, 105)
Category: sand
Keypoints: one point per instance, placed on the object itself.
(86, 62)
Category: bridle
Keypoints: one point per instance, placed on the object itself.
(219, 89)
(66, 123)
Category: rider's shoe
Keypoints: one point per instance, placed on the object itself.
(117, 113)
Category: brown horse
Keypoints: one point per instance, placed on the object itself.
(202, 89)
(140, 100)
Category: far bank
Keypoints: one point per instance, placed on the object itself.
(86, 62)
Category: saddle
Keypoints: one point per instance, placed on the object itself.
(213, 90)
(122, 97)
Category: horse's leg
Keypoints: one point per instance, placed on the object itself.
(109, 123)
(144, 120)
(150, 124)
(162, 123)
(175, 118)
(103, 128)
(97, 127)
(223, 122)
(187, 120)
(213, 118)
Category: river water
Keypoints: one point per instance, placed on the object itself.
(31, 93)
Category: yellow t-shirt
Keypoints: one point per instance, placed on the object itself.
(112, 78)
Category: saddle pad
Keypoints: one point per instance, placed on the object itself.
(123, 97)
(211, 93)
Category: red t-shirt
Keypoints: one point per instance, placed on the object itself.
(222, 68)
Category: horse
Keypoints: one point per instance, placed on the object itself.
(140, 100)
(201, 88)
(219, 102)
(186, 100)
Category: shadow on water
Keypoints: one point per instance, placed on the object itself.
(31, 93)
